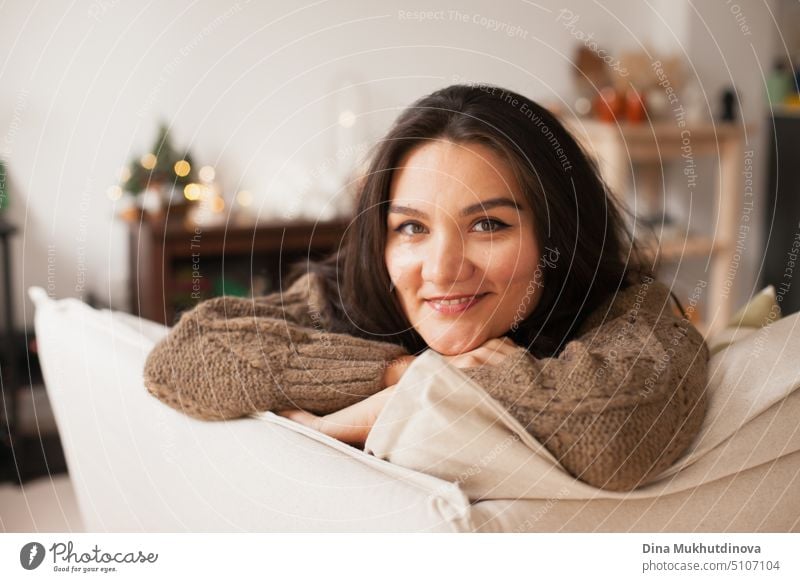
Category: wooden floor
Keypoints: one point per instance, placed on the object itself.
(32, 457)
(37, 447)
(41, 505)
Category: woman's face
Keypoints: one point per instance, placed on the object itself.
(460, 249)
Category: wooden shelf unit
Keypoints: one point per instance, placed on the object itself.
(161, 250)
(621, 149)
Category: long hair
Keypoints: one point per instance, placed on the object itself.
(574, 213)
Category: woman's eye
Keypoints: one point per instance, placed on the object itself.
(490, 225)
(487, 225)
(409, 228)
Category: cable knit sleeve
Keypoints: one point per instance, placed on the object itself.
(229, 357)
(622, 401)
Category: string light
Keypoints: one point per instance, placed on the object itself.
(192, 191)
(148, 161)
(182, 168)
(114, 192)
(207, 174)
(244, 198)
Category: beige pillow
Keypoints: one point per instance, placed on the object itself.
(438, 421)
(761, 310)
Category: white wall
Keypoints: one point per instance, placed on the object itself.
(251, 85)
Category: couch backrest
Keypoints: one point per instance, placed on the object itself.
(138, 465)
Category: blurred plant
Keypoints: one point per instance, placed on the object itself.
(3, 186)
(164, 165)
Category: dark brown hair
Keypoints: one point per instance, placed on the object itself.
(573, 210)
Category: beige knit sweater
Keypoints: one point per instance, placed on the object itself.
(620, 404)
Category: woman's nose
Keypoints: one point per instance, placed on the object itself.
(445, 261)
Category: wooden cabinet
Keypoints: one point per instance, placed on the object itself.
(624, 149)
(174, 264)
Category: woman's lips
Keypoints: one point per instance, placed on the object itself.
(451, 308)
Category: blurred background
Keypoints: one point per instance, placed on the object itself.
(157, 154)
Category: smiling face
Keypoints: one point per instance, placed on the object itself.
(460, 249)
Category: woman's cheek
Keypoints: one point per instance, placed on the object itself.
(507, 267)
(512, 274)
(400, 263)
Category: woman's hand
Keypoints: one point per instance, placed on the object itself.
(353, 424)
(350, 425)
(491, 353)
(395, 370)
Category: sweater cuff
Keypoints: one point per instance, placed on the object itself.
(323, 377)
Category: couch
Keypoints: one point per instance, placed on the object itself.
(138, 465)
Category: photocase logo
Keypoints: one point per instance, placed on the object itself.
(31, 555)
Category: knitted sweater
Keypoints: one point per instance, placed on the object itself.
(618, 405)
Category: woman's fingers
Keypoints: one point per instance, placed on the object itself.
(302, 417)
(395, 370)
(342, 432)
(492, 353)
(351, 424)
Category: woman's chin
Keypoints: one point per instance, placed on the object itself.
(453, 346)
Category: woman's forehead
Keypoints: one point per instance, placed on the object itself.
(453, 172)
(455, 156)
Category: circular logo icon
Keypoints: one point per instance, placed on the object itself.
(31, 555)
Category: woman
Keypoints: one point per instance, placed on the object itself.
(482, 232)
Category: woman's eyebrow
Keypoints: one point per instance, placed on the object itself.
(472, 209)
(489, 204)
